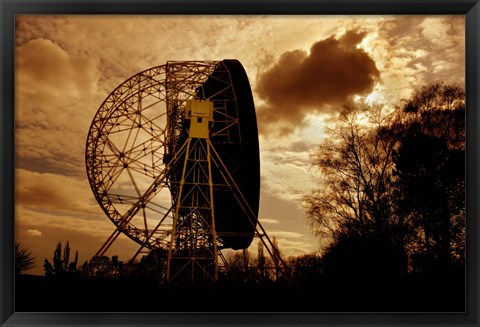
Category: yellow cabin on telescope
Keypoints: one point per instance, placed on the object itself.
(200, 114)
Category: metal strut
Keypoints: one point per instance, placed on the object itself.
(260, 231)
(193, 251)
(151, 191)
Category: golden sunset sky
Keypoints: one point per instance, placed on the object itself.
(302, 70)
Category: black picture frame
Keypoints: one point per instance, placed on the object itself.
(10, 8)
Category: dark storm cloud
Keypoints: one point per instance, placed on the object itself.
(321, 81)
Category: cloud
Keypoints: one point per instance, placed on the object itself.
(55, 103)
(320, 81)
(47, 191)
(417, 50)
(58, 73)
(37, 220)
(293, 243)
(285, 171)
(34, 232)
(286, 234)
(269, 221)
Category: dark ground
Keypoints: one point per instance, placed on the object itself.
(412, 294)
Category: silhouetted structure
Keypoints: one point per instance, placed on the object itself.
(173, 160)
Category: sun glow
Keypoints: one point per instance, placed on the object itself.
(376, 97)
(368, 42)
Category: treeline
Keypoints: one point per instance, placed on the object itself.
(241, 266)
(237, 267)
(249, 282)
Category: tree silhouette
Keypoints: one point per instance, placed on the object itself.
(356, 198)
(101, 267)
(261, 261)
(239, 266)
(361, 259)
(24, 259)
(276, 257)
(430, 166)
(307, 267)
(152, 266)
(61, 262)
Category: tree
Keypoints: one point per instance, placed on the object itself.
(24, 259)
(261, 261)
(357, 183)
(239, 268)
(101, 267)
(61, 263)
(276, 257)
(307, 267)
(361, 259)
(430, 167)
(153, 265)
(356, 197)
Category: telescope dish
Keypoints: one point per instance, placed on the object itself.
(172, 158)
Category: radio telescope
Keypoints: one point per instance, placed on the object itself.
(172, 158)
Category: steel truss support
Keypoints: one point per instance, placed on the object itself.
(193, 252)
(280, 265)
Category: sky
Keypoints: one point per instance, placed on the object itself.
(303, 70)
